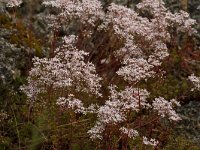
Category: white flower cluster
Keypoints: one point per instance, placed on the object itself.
(131, 26)
(196, 81)
(114, 112)
(129, 132)
(167, 18)
(115, 109)
(152, 142)
(183, 20)
(86, 11)
(96, 131)
(136, 69)
(14, 3)
(72, 103)
(75, 104)
(32, 89)
(165, 108)
(140, 34)
(65, 70)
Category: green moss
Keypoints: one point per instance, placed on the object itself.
(21, 35)
(180, 143)
(5, 21)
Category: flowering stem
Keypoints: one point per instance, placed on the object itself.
(19, 141)
(139, 108)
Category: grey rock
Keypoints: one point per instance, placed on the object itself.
(189, 126)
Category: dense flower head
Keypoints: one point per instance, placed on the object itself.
(137, 30)
(166, 18)
(108, 114)
(14, 3)
(72, 103)
(128, 99)
(183, 20)
(33, 89)
(165, 108)
(129, 24)
(86, 11)
(66, 69)
(96, 131)
(136, 70)
(115, 110)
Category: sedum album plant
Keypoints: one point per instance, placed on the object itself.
(71, 79)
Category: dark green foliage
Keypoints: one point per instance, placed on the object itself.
(180, 143)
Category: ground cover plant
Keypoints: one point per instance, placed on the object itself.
(88, 91)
